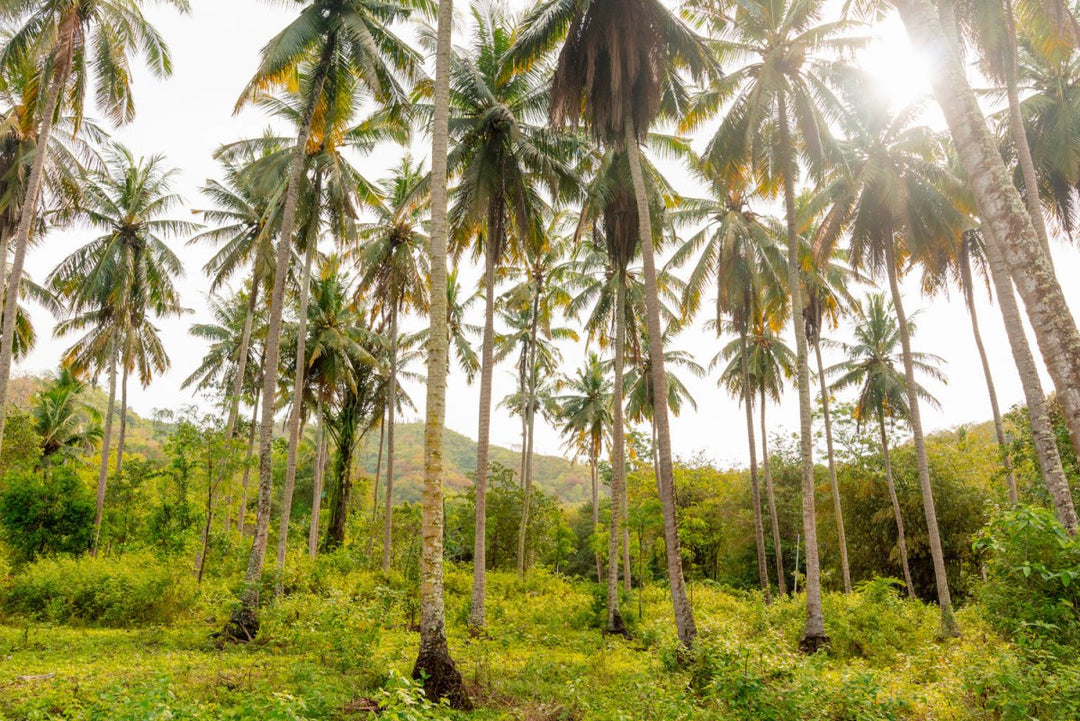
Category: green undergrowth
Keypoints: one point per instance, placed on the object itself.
(341, 642)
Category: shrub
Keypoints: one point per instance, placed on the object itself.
(116, 591)
(45, 516)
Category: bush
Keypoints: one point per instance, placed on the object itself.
(45, 516)
(1032, 589)
(121, 591)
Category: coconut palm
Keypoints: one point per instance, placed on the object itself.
(873, 365)
(66, 424)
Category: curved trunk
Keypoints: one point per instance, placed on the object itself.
(684, 616)
(297, 410)
(1046, 450)
(759, 531)
(434, 667)
(901, 537)
(317, 484)
(999, 428)
(618, 459)
(241, 513)
(106, 438)
(487, 358)
(770, 497)
(29, 211)
(244, 623)
(1002, 209)
(391, 408)
(941, 580)
(834, 483)
(375, 491)
(814, 631)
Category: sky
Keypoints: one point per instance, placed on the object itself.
(186, 117)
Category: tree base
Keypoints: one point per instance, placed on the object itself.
(812, 643)
(243, 626)
(616, 626)
(441, 679)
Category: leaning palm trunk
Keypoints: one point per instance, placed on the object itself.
(834, 483)
(1002, 209)
(61, 68)
(1046, 450)
(106, 438)
(941, 580)
(684, 616)
(487, 358)
(391, 407)
(244, 622)
(814, 631)
(759, 531)
(295, 415)
(901, 537)
(999, 428)
(317, 484)
(434, 667)
(530, 424)
(615, 623)
(770, 497)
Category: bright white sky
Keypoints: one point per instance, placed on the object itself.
(186, 117)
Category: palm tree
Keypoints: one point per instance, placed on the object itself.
(896, 198)
(66, 424)
(872, 366)
(394, 273)
(117, 282)
(57, 36)
(334, 41)
(779, 109)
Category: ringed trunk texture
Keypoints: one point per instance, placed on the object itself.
(901, 537)
(615, 624)
(317, 485)
(391, 408)
(759, 531)
(106, 439)
(770, 497)
(1001, 209)
(813, 636)
(434, 666)
(834, 483)
(477, 618)
(941, 580)
(684, 616)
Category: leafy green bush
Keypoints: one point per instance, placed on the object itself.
(45, 516)
(123, 591)
(1032, 589)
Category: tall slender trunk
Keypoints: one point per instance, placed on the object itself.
(241, 359)
(204, 546)
(297, 410)
(999, 428)
(628, 582)
(814, 631)
(244, 623)
(121, 437)
(434, 667)
(901, 537)
(594, 477)
(618, 458)
(375, 491)
(523, 393)
(5, 241)
(834, 483)
(684, 616)
(770, 496)
(477, 617)
(1046, 450)
(759, 531)
(62, 63)
(106, 438)
(941, 580)
(391, 407)
(530, 423)
(317, 483)
(1001, 208)
(241, 513)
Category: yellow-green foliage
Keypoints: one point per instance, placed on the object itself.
(345, 637)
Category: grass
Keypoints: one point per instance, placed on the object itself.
(331, 649)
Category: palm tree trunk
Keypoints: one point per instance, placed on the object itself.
(106, 439)
(244, 623)
(297, 410)
(241, 513)
(615, 623)
(530, 423)
(1002, 209)
(375, 490)
(684, 616)
(204, 547)
(434, 667)
(999, 428)
(814, 631)
(594, 476)
(834, 483)
(901, 537)
(391, 407)
(317, 485)
(770, 497)
(523, 394)
(759, 531)
(628, 582)
(941, 580)
(487, 357)
(1042, 433)
(122, 435)
(241, 359)
(61, 69)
